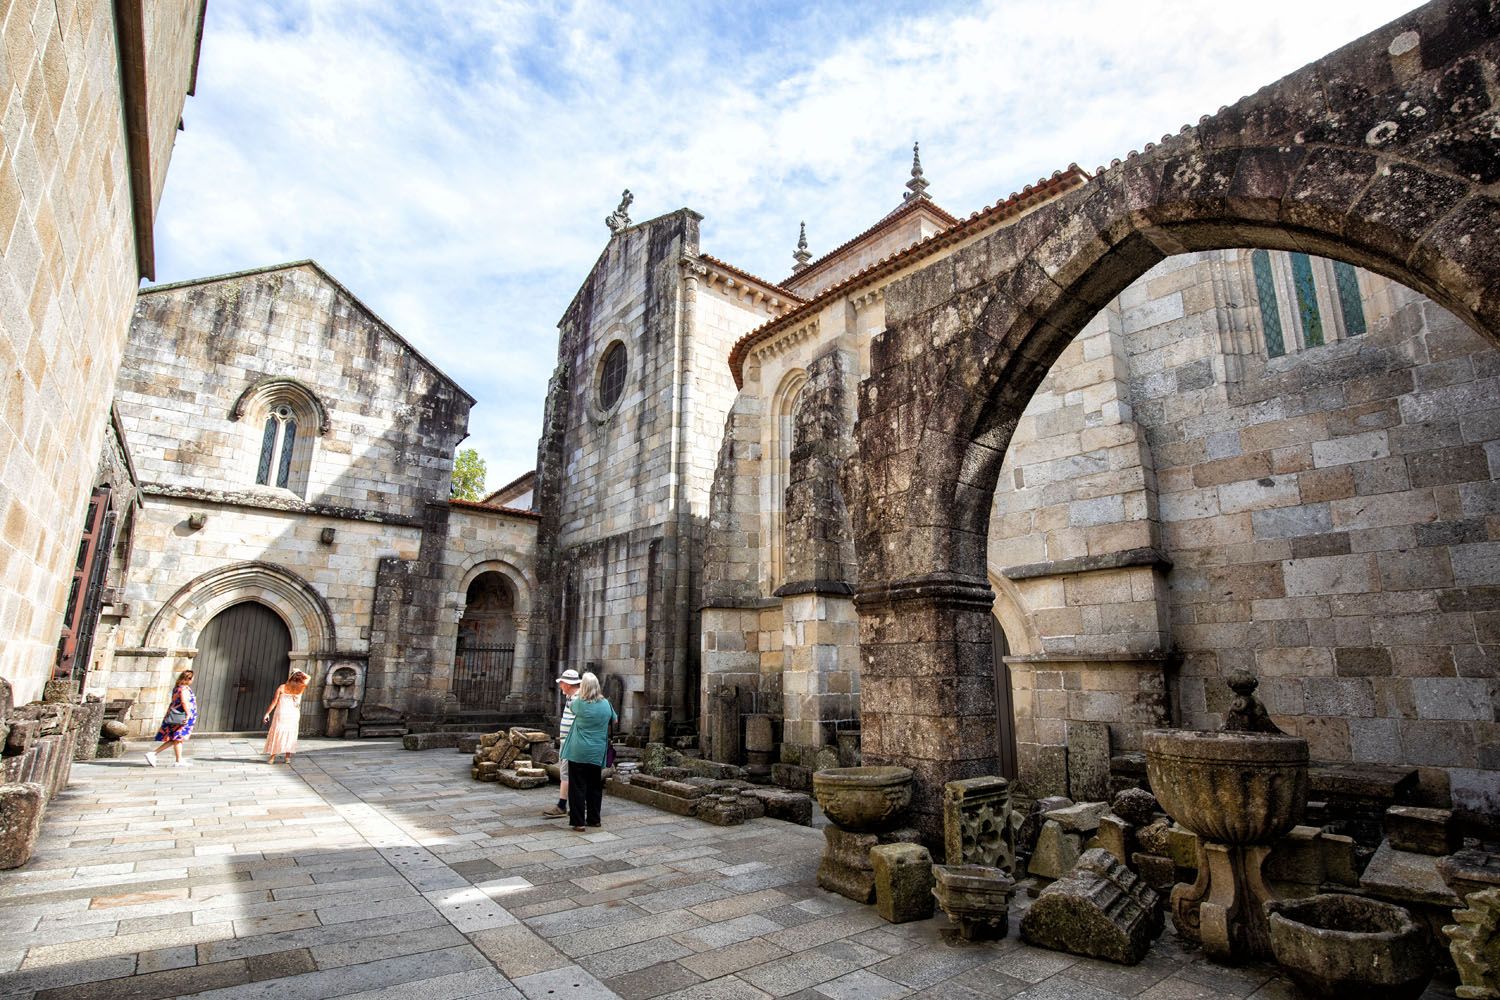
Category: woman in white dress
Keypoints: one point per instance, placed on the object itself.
(286, 707)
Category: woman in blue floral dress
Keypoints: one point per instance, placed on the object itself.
(177, 724)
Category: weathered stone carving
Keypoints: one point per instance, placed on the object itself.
(1474, 943)
(976, 823)
(1246, 714)
(1100, 909)
(620, 218)
(903, 882)
(976, 898)
(341, 693)
(1337, 945)
(1239, 791)
(863, 804)
(863, 799)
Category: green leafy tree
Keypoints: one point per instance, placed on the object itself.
(468, 475)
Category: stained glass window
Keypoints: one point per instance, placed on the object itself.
(1307, 301)
(1265, 290)
(1349, 303)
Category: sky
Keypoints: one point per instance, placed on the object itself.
(452, 161)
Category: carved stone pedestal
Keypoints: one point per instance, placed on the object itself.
(846, 868)
(1224, 909)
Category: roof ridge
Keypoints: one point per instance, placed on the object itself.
(900, 211)
(1050, 186)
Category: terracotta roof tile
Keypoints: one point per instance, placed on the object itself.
(492, 508)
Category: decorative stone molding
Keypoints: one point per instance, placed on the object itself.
(1088, 564)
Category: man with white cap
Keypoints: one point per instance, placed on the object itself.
(568, 683)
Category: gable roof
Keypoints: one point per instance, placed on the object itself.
(1045, 189)
(898, 214)
(322, 272)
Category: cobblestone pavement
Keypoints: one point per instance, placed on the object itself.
(367, 871)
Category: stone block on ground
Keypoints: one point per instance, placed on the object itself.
(89, 718)
(846, 868)
(1056, 851)
(1470, 871)
(1031, 826)
(1135, 806)
(1156, 871)
(792, 807)
(682, 789)
(1114, 836)
(511, 779)
(508, 754)
(23, 733)
(1082, 818)
(544, 754)
(490, 739)
(468, 744)
(430, 741)
(110, 750)
(1407, 878)
(760, 735)
(977, 827)
(975, 898)
(20, 822)
(1099, 909)
(792, 776)
(723, 809)
(903, 882)
(1424, 831)
(1088, 761)
(643, 780)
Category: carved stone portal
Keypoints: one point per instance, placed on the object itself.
(976, 823)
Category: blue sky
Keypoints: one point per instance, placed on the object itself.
(452, 161)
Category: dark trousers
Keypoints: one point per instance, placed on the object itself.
(585, 793)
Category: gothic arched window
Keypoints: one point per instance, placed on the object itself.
(284, 416)
(1305, 301)
(278, 444)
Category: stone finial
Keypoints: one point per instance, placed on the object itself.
(801, 256)
(620, 218)
(1246, 714)
(917, 186)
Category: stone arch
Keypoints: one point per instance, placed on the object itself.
(179, 621)
(1375, 155)
(525, 678)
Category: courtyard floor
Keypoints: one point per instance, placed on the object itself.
(367, 871)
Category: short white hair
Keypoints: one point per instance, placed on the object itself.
(588, 687)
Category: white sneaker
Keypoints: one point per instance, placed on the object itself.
(150, 759)
(183, 763)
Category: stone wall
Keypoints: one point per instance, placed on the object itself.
(1328, 517)
(624, 489)
(68, 279)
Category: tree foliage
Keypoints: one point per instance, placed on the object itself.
(468, 475)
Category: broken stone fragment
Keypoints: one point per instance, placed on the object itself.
(1099, 909)
(1082, 818)
(1056, 851)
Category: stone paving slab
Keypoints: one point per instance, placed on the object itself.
(362, 871)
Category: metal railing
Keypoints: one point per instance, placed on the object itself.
(482, 675)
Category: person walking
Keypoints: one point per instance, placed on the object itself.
(568, 684)
(177, 725)
(286, 706)
(585, 750)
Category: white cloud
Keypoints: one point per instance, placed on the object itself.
(452, 162)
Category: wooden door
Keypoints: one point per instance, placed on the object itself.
(242, 657)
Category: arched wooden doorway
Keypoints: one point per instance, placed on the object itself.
(242, 656)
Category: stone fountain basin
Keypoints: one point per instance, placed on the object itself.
(1230, 787)
(863, 799)
(1337, 945)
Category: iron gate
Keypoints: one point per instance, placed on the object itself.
(482, 674)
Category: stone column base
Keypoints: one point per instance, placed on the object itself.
(846, 867)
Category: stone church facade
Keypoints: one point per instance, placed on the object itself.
(1247, 459)
(294, 456)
